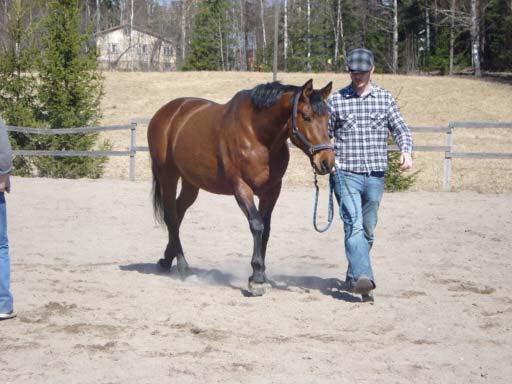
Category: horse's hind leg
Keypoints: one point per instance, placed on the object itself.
(187, 197)
(168, 189)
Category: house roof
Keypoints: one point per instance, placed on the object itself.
(142, 30)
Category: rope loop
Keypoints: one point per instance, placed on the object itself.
(330, 208)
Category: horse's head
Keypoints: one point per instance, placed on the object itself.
(308, 126)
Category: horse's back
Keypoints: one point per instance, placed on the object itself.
(168, 122)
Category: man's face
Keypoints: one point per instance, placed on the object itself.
(361, 79)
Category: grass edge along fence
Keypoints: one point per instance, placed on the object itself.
(449, 154)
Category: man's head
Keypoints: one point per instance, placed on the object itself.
(360, 64)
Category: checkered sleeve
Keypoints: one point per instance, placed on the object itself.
(399, 129)
(332, 118)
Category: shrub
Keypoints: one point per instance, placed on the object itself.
(396, 180)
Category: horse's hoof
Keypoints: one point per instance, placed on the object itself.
(259, 289)
(165, 264)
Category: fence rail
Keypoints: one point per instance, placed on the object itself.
(66, 131)
(447, 148)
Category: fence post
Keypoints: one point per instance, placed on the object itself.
(448, 159)
(133, 148)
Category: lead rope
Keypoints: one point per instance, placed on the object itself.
(330, 207)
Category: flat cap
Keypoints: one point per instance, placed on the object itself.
(360, 60)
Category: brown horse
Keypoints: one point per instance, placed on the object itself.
(238, 148)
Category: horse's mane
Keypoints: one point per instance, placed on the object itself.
(266, 95)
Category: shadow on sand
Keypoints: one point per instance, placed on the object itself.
(330, 286)
(209, 276)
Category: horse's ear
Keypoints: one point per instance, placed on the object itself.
(307, 89)
(326, 91)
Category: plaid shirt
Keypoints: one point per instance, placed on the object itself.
(360, 126)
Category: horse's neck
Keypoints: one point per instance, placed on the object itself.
(271, 123)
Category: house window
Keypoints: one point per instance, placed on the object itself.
(167, 51)
(112, 48)
(143, 49)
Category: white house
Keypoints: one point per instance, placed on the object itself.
(132, 48)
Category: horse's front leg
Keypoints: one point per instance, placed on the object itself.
(245, 199)
(266, 206)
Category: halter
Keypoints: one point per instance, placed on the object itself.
(311, 148)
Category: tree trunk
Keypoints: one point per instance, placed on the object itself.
(308, 62)
(339, 35)
(183, 30)
(427, 28)
(131, 33)
(87, 10)
(285, 38)
(364, 33)
(221, 46)
(122, 10)
(263, 32)
(482, 33)
(243, 52)
(227, 43)
(98, 16)
(395, 36)
(452, 34)
(276, 40)
(342, 37)
(475, 38)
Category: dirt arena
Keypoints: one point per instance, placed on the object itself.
(93, 308)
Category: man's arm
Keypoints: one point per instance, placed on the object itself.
(5, 158)
(402, 135)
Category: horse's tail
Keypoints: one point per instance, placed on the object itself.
(158, 204)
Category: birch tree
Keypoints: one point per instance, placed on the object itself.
(183, 29)
(263, 32)
(395, 36)
(427, 27)
(308, 55)
(339, 35)
(243, 52)
(98, 16)
(475, 38)
(285, 38)
(452, 34)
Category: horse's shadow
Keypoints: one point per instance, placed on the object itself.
(210, 276)
(328, 286)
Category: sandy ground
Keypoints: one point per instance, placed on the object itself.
(424, 101)
(93, 308)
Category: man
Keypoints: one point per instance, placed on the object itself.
(360, 116)
(6, 302)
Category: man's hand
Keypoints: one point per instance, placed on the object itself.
(405, 161)
(5, 184)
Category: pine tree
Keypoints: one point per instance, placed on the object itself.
(69, 91)
(205, 50)
(499, 35)
(17, 82)
(396, 180)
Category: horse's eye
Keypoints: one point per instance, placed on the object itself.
(306, 117)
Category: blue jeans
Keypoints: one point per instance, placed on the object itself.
(5, 268)
(359, 204)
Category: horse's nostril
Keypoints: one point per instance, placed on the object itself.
(325, 165)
